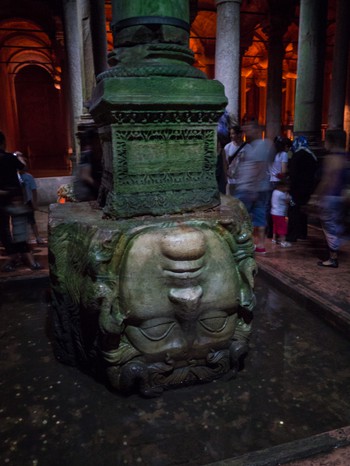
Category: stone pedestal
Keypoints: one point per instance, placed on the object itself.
(159, 141)
(152, 303)
(157, 115)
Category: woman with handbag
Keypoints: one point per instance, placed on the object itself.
(233, 153)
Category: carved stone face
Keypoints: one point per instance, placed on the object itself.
(179, 294)
(163, 303)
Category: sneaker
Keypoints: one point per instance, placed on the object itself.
(275, 241)
(260, 250)
(285, 244)
(36, 266)
(329, 263)
(40, 240)
(8, 268)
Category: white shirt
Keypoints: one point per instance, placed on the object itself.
(279, 203)
(276, 166)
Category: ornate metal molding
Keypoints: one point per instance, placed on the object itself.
(161, 116)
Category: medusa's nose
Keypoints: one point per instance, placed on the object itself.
(187, 301)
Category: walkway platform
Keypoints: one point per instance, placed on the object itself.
(322, 289)
(295, 272)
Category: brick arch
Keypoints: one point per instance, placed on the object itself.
(41, 132)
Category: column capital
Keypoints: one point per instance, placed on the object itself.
(219, 2)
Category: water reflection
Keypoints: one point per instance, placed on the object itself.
(294, 384)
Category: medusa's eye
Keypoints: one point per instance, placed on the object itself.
(156, 330)
(214, 324)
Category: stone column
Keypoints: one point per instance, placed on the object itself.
(289, 103)
(347, 107)
(274, 85)
(310, 69)
(86, 20)
(262, 102)
(227, 59)
(88, 71)
(339, 68)
(98, 35)
(243, 95)
(290, 98)
(73, 46)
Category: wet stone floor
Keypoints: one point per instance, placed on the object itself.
(295, 384)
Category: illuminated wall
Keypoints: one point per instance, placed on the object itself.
(32, 44)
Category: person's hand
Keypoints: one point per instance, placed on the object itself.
(20, 157)
(313, 205)
(314, 200)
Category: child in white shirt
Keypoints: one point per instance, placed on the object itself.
(279, 208)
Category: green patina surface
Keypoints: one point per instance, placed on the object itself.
(158, 92)
(157, 116)
(154, 303)
(160, 143)
(151, 158)
(132, 8)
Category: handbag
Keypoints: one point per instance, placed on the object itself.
(233, 161)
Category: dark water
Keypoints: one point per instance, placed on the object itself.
(295, 384)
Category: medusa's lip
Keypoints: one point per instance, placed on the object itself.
(183, 269)
(183, 275)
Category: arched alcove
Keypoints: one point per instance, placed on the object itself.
(41, 122)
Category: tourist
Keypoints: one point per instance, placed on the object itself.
(330, 194)
(88, 180)
(9, 186)
(302, 168)
(223, 138)
(30, 199)
(20, 247)
(234, 151)
(278, 170)
(279, 207)
(279, 167)
(253, 181)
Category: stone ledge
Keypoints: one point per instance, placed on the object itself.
(330, 312)
(316, 446)
(47, 188)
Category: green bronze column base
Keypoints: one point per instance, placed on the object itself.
(159, 142)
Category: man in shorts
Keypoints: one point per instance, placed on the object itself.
(253, 181)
